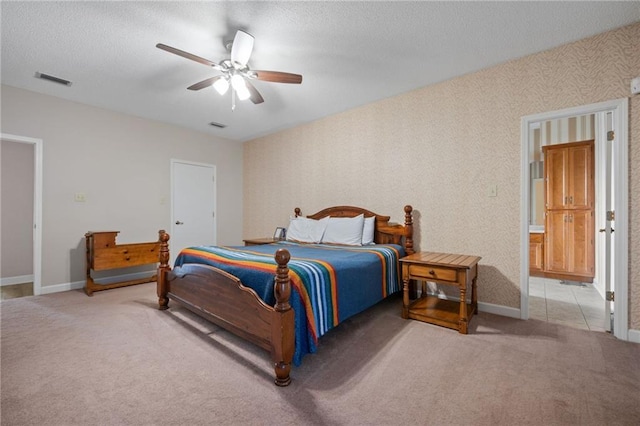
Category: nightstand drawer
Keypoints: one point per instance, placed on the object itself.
(125, 255)
(433, 272)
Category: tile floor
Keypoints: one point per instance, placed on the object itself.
(570, 303)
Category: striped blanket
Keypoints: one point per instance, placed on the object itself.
(329, 283)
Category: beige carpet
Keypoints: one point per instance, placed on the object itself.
(114, 359)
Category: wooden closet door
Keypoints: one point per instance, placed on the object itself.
(569, 224)
(555, 164)
(581, 240)
(580, 176)
(557, 240)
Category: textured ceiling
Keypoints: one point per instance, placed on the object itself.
(350, 53)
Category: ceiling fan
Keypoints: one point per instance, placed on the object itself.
(235, 70)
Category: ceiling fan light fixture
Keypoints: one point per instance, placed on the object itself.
(237, 81)
(243, 94)
(221, 85)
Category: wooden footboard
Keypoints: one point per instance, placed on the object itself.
(222, 299)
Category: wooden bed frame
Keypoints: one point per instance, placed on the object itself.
(222, 298)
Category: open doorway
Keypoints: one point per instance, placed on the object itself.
(33, 149)
(564, 202)
(612, 115)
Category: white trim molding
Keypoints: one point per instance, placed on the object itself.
(78, 285)
(504, 311)
(20, 279)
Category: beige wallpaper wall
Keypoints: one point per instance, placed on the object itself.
(439, 148)
(122, 164)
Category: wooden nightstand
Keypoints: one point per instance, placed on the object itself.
(444, 268)
(259, 241)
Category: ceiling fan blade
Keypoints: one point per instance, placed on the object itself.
(278, 77)
(241, 48)
(188, 55)
(204, 83)
(256, 97)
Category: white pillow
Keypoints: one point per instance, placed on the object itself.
(344, 230)
(368, 230)
(305, 230)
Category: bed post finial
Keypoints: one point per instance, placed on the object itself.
(297, 212)
(282, 287)
(408, 225)
(163, 268)
(283, 339)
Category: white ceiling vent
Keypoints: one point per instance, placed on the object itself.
(53, 79)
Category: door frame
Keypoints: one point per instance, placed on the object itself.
(37, 205)
(620, 110)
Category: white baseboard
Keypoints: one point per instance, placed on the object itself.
(505, 311)
(57, 288)
(21, 279)
(76, 285)
(634, 335)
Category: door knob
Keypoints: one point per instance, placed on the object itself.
(179, 223)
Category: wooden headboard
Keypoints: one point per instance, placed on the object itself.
(385, 232)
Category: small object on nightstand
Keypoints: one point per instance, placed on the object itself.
(444, 268)
(259, 241)
(280, 234)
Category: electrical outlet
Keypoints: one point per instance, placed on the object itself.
(80, 197)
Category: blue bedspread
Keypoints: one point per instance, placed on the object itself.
(329, 283)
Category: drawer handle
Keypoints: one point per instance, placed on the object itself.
(127, 258)
(432, 272)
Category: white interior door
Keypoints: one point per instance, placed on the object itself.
(193, 205)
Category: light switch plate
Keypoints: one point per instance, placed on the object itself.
(492, 190)
(635, 86)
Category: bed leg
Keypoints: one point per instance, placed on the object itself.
(283, 329)
(163, 268)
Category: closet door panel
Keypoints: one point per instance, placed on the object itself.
(555, 163)
(581, 236)
(556, 235)
(580, 176)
